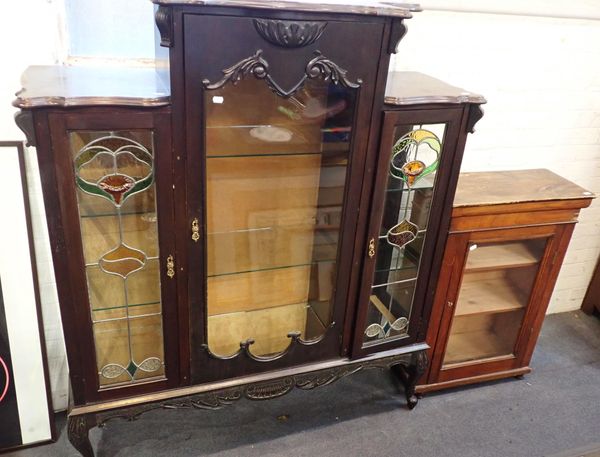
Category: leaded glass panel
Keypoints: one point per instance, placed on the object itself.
(409, 193)
(114, 176)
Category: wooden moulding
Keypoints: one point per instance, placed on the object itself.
(529, 218)
(366, 7)
(413, 88)
(517, 372)
(498, 199)
(490, 188)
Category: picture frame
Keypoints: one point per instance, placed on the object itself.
(26, 413)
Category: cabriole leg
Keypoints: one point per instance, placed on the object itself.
(410, 374)
(78, 428)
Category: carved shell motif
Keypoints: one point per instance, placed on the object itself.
(289, 34)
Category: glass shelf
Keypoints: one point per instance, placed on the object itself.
(505, 255)
(269, 248)
(281, 267)
(132, 305)
(151, 215)
(275, 154)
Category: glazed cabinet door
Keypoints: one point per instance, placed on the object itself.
(277, 128)
(498, 284)
(116, 271)
(414, 181)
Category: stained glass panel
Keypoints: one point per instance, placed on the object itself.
(411, 183)
(114, 174)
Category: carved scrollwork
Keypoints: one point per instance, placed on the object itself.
(211, 400)
(322, 67)
(475, 114)
(270, 389)
(295, 340)
(164, 22)
(312, 381)
(289, 34)
(24, 120)
(412, 365)
(255, 65)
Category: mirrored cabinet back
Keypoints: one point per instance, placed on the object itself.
(266, 210)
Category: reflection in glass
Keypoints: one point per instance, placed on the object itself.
(275, 177)
(411, 180)
(495, 290)
(114, 174)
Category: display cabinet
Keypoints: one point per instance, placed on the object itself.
(503, 255)
(264, 214)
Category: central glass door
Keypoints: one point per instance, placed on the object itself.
(275, 176)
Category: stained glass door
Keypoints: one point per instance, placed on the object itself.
(123, 269)
(411, 188)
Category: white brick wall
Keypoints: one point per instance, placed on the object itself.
(541, 77)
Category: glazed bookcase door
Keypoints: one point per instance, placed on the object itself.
(415, 163)
(499, 277)
(117, 189)
(271, 153)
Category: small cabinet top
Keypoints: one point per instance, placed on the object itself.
(491, 188)
(364, 7)
(413, 88)
(60, 85)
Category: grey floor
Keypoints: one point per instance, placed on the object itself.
(555, 412)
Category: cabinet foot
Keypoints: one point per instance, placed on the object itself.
(410, 374)
(78, 428)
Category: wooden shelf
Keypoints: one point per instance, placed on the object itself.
(505, 255)
(480, 344)
(484, 294)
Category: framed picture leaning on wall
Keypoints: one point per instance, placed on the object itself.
(25, 404)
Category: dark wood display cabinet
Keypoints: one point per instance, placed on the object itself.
(509, 233)
(263, 215)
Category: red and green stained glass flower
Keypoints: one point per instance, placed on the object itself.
(415, 155)
(114, 168)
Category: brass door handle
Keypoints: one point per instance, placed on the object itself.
(170, 266)
(195, 230)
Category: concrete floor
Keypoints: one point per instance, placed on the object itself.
(555, 411)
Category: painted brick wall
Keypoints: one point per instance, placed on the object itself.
(541, 77)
